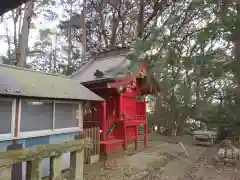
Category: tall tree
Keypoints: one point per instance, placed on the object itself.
(22, 48)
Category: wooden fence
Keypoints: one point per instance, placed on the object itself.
(94, 135)
(34, 156)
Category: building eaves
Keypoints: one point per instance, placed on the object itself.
(16, 81)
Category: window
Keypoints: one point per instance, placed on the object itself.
(48, 117)
(6, 113)
(36, 115)
(66, 115)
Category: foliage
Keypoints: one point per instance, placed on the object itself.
(183, 55)
(9, 59)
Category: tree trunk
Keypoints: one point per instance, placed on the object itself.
(140, 26)
(115, 24)
(181, 126)
(69, 51)
(8, 39)
(84, 42)
(220, 109)
(198, 75)
(159, 128)
(236, 64)
(197, 108)
(169, 131)
(23, 39)
(16, 15)
(236, 41)
(102, 31)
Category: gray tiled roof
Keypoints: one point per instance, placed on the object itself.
(24, 82)
(114, 65)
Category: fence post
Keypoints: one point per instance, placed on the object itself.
(16, 168)
(6, 173)
(76, 165)
(56, 168)
(34, 170)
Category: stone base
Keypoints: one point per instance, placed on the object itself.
(94, 159)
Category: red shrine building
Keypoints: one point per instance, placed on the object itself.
(124, 110)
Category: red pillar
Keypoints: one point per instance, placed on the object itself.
(120, 105)
(145, 135)
(145, 126)
(104, 125)
(104, 120)
(136, 137)
(125, 138)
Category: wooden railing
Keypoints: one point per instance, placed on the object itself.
(34, 157)
(94, 135)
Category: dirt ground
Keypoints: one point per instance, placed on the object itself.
(200, 169)
(160, 158)
(204, 169)
(164, 159)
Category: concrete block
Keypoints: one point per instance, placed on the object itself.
(94, 159)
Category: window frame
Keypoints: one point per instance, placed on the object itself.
(79, 117)
(52, 131)
(28, 134)
(9, 136)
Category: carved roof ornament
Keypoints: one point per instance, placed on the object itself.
(98, 74)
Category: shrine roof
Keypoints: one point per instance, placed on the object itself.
(7, 5)
(111, 64)
(16, 81)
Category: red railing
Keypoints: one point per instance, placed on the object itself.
(139, 118)
(136, 118)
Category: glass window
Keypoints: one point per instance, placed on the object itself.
(5, 116)
(66, 115)
(36, 115)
